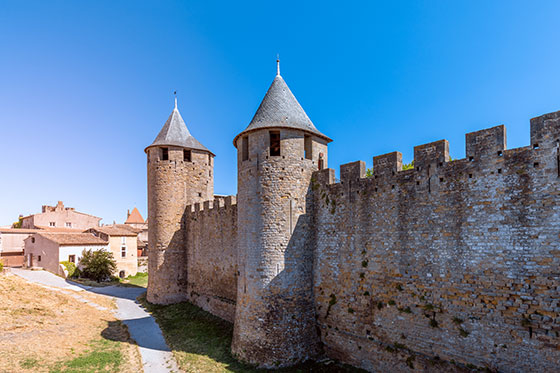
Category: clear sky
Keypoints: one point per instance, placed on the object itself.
(85, 86)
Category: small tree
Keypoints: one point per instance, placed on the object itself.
(98, 265)
(18, 223)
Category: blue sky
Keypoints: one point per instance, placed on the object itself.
(85, 86)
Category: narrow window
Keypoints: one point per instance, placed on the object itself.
(52, 224)
(245, 148)
(123, 240)
(308, 147)
(32, 239)
(123, 252)
(39, 258)
(274, 144)
(68, 225)
(72, 258)
(187, 156)
(164, 154)
(209, 160)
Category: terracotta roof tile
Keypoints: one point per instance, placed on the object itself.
(113, 230)
(135, 217)
(66, 239)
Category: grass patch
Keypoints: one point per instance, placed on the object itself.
(93, 283)
(201, 342)
(102, 356)
(140, 280)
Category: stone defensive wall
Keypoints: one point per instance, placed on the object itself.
(451, 262)
(211, 249)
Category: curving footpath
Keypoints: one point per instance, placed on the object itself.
(156, 355)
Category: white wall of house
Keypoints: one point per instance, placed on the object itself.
(64, 252)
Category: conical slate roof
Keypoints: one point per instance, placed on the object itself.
(280, 108)
(176, 133)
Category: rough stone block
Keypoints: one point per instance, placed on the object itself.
(389, 163)
(486, 143)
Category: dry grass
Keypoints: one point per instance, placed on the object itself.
(42, 329)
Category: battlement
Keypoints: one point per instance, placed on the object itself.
(486, 153)
(217, 204)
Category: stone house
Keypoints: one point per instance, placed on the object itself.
(122, 242)
(60, 217)
(47, 250)
(135, 220)
(12, 245)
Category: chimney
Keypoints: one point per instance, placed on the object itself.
(127, 213)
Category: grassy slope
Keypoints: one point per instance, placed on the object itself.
(43, 330)
(201, 342)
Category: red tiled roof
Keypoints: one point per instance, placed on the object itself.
(113, 230)
(68, 239)
(134, 217)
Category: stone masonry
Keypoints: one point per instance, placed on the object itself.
(447, 266)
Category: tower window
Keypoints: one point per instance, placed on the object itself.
(209, 160)
(308, 147)
(245, 148)
(274, 144)
(187, 156)
(164, 154)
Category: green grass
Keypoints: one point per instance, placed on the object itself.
(29, 363)
(140, 279)
(201, 342)
(102, 356)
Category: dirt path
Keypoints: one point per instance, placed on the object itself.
(156, 355)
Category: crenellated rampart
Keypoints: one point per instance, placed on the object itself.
(211, 252)
(451, 262)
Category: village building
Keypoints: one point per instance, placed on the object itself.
(47, 249)
(12, 245)
(60, 216)
(122, 241)
(135, 220)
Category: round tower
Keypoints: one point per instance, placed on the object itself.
(277, 153)
(180, 173)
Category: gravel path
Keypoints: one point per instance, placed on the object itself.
(156, 356)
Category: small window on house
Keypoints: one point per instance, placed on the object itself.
(274, 144)
(187, 156)
(308, 147)
(32, 239)
(52, 224)
(123, 240)
(72, 258)
(245, 148)
(123, 252)
(68, 225)
(164, 154)
(39, 258)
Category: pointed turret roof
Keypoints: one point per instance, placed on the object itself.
(176, 133)
(135, 217)
(280, 108)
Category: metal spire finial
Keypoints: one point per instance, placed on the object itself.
(278, 64)
(175, 93)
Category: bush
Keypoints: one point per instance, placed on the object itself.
(1, 266)
(98, 265)
(73, 271)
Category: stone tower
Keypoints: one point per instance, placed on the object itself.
(180, 173)
(277, 153)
